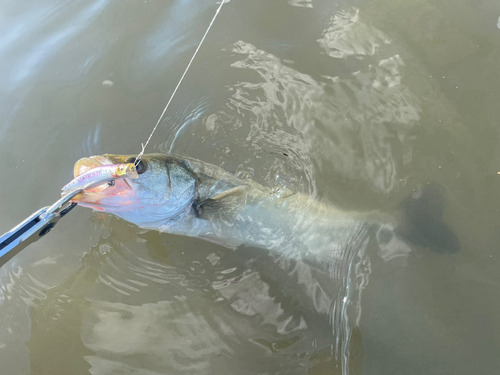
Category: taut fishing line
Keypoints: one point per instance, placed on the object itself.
(144, 145)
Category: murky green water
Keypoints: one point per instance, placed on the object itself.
(354, 102)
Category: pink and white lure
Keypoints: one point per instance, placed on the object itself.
(100, 175)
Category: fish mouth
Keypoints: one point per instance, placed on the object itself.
(114, 196)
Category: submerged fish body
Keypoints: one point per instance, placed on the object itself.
(189, 197)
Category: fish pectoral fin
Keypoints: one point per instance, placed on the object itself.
(225, 205)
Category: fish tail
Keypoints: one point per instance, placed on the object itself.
(423, 221)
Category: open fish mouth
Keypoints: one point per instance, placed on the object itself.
(111, 195)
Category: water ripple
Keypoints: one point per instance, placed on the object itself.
(160, 309)
(346, 123)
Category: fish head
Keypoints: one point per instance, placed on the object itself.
(164, 188)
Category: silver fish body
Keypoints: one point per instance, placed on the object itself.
(188, 197)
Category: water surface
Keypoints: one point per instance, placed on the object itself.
(353, 102)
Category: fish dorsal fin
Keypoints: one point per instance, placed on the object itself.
(225, 205)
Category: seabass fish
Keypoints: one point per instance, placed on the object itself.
(188, 197)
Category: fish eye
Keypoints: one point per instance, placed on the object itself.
(141, 167)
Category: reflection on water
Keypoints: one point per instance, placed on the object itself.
(354, 103)
(323, 113)
(41, 52)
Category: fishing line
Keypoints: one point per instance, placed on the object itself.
(138, 158)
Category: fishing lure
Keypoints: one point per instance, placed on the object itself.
(100, 175)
